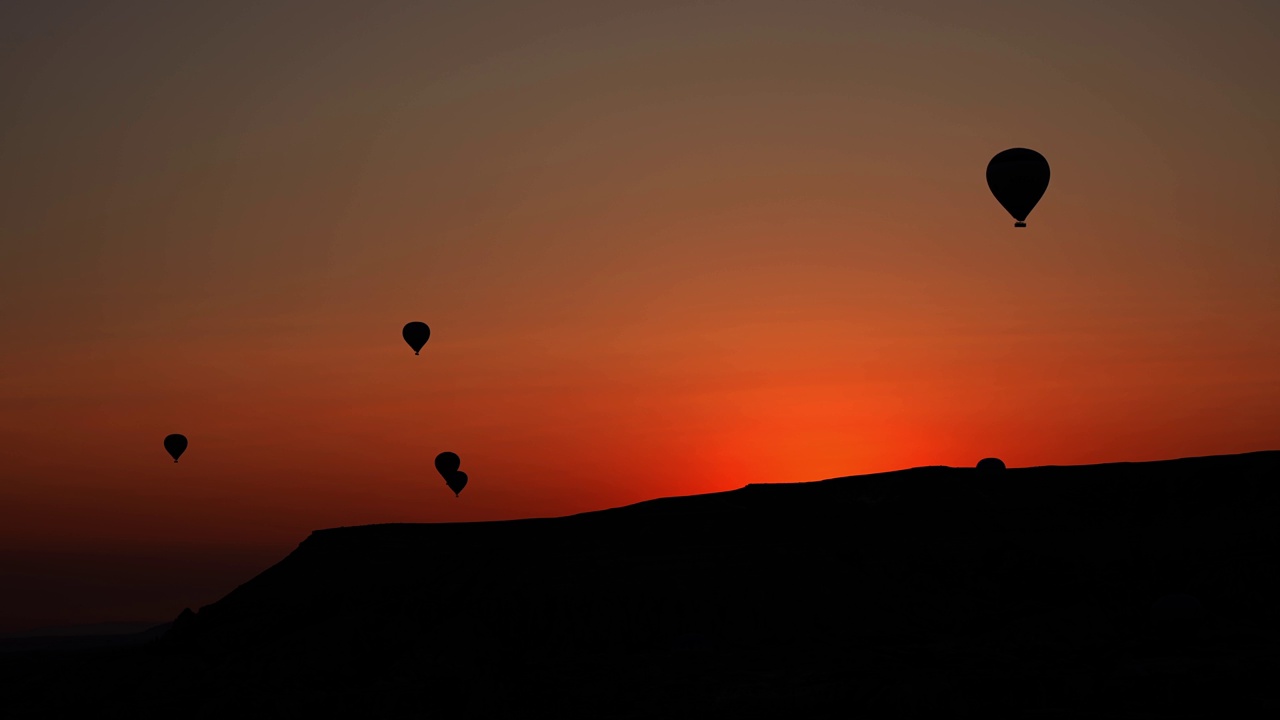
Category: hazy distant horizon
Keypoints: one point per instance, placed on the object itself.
(88, 629)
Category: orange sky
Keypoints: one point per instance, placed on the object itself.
(664, 248)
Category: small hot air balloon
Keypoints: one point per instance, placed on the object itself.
(416, 334)
(447, 462)
(1018, 178)
(990, 465)
(456, 480)
(175, 444)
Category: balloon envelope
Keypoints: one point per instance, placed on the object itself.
(456, 480)
(175, 444)
(1018, 178)
(416, 334)
(447, 462)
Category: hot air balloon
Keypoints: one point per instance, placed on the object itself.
(1018, 178)
(456, 480)
(416, 334)
(990, 465)
(447, 462)
(175, 444)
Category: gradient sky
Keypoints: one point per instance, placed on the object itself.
(663, 247)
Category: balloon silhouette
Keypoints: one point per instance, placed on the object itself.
(447, 462)
(416, 334)
(175, 444)
(456, 480)
(447, 465)
(1018, 178)
(989, 465)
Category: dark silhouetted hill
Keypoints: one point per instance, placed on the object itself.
(1117, 590)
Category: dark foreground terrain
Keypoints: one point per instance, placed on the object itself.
(1129, 590)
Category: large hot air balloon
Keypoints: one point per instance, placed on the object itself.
(175, 444)
(1018, 178)
(416, 334)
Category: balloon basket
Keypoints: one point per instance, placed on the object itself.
(1019, 224)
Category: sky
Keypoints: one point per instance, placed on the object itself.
(664, 248)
